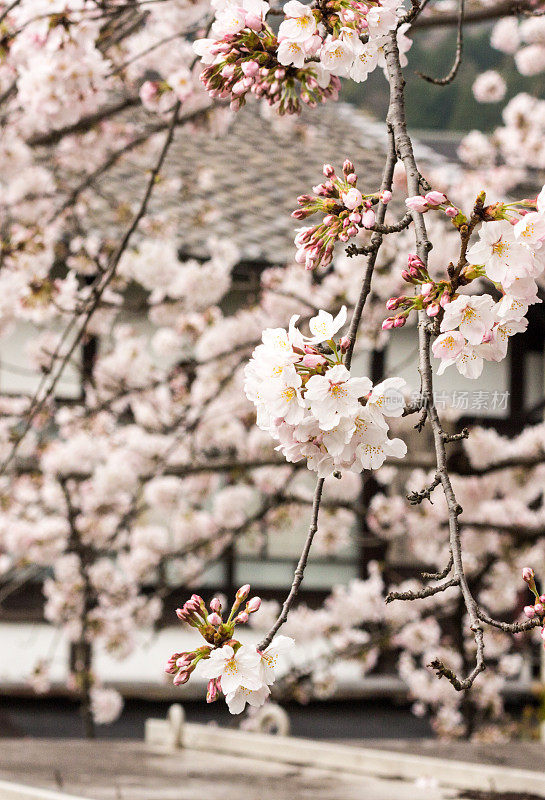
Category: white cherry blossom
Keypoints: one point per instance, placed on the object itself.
(467, 362)
(324, 326)
(299, 24)
(499, 252)
(280, 647)
(386, 398)
(335, 395)
(237, 700)
(448, 345)
(336, 56)
(472, 314)
(235, 669)
(282, 396)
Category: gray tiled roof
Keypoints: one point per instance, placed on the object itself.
(244, 184)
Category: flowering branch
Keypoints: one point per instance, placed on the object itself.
(403, 142)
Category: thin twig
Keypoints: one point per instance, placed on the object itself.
(459, 52)
(300, 571)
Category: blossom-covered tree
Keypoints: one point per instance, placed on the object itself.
(158, 466)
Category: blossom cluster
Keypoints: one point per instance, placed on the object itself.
(241, 672)
(509, 253)
(347, 36)
(308, 400)
(347, 212)
(242, 59)
(303, 63)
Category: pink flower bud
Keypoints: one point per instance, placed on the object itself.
(253, 605)
(181, 613)
(417, 203)
(242, 618)
(368, 219)
(386, 196)
(344, 344)
(212, 691)
(299, 214)
(243, 592)
(451, 212)
(426, 288)
(435, 198)
(415, 261)
(539, 609)
(329, 220)
(182, 677)
(352, 198)
(313, 361)
(250, 68)
(239, 88)
(254, 22)
(399, 322)
(228, 71)
(215, 605)
(407, 276)
(392, 303)
(388, 324)
(530, 611)
(348, 167)
(528, 575)
(355, 217)
(352, 179)
(433, 309)
(352, 230)
(214, 619)
(328, 171)
(445, 300)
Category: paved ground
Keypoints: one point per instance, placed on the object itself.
(520, 755)
(130, 771)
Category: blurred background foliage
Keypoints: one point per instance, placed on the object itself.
(453, 107)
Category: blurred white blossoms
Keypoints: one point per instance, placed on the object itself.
(106, 705)
(489, 87)
(308, 400)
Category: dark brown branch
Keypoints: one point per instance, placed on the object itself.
(503, 8)
(300, 571)
(510, 627)
(84, 124)
(421, 594)
(459, 52)
(397, 120)
(415, 498)
(439, 576)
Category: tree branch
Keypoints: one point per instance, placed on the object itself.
(397, 119)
